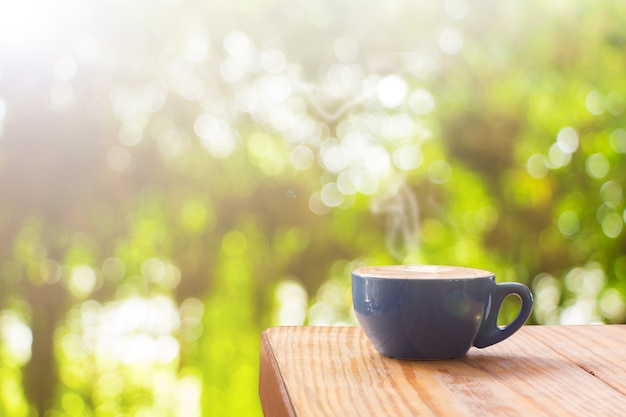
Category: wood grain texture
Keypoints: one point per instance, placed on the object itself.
(540, 371)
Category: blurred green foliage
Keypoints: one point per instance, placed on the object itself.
(178, 176)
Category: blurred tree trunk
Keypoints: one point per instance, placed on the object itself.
(48, 303)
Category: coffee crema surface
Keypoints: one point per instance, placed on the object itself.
(422, 272)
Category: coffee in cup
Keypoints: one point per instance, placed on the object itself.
(433, 311)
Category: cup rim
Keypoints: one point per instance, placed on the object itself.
(421, 272)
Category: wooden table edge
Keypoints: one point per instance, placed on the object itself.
(273, 393)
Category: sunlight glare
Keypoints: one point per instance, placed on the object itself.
(241, 54)
(38, 24)
(276, 88)
(132, 331)
(189, 396)
(137, 349)
(391, 91)
(292, 300)
(377, 161)
(581, 312)
(23, 23)
(16, 337)
(585, 283)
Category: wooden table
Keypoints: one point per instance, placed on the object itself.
(539, 371)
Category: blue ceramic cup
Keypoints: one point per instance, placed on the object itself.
(433, 311)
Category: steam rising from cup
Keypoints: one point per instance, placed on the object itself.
(401, 210)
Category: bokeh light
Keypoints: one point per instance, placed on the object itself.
(17, 338)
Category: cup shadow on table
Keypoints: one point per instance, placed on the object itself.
(490, 365)
(510, 364)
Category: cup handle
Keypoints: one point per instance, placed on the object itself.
(489, 332)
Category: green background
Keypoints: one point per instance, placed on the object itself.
(176, 177)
